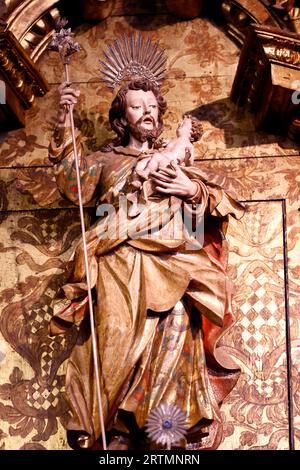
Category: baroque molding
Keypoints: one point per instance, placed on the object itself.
(289, 11)
(32, 22)
(268, 78)
(26, 27)
(22, 82)
(239, 15)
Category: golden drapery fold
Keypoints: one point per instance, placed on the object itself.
(162, 302)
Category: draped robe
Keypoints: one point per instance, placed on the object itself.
(161, 303)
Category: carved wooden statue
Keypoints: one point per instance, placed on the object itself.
(162, 297)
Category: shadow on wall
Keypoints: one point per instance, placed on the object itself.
(238, 126)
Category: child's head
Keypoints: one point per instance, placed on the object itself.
(184, 128)
(190, 127)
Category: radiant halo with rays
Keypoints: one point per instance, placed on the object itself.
(133, 57)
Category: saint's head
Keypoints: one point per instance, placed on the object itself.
(137, 110)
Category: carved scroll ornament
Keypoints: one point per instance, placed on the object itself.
(22, 83)
(268, 78)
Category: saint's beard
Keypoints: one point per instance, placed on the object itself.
(142, 134)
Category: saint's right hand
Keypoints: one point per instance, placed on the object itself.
(68, 97)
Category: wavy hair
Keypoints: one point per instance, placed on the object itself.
(118, 109)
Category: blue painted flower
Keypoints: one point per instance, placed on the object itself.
(166, 425)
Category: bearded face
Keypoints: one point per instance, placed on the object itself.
(138, 131)
(141, 113)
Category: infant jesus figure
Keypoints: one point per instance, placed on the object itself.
(179, 151)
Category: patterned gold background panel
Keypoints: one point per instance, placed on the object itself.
(200, 70)
(267, 178)
(226, 134)
(256, 412)
(17, 188)
(273, 178)
(293, 239)
(201, 67)
(35, 246)
(194, 48)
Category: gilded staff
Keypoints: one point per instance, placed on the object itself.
(63, 42)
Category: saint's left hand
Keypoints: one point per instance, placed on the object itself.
(174, 182)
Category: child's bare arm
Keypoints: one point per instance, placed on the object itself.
(180, 149)
(152, 164)
(138, 174)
